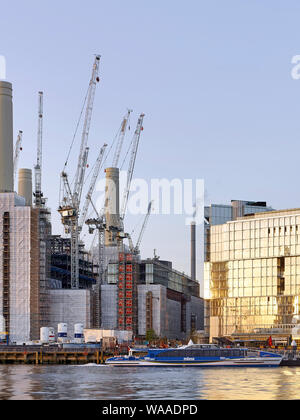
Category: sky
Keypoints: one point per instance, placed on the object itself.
(212, 77)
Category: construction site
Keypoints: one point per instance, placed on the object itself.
(55, 289)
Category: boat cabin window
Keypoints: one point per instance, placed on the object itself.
(201, 352)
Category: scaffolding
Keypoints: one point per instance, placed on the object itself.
(109, 305)
(44, 232)
(35, 275)
(71, 306)
(128, 273)
(149, 311)
(6, 270)
(152, 309)
(23, 268)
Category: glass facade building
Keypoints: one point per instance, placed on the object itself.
(217, 214)
(252, 279)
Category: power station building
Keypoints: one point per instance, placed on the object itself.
(34, 264)
(157, 298)
(36, 287)
(23, 297)
(19, 268)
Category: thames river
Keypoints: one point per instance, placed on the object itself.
(106, 382)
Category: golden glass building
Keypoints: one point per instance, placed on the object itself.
(252, 278)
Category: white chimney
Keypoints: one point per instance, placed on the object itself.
(25, 185)
(6, 138)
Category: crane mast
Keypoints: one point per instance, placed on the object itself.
(86, 129)
(134, 149)
(137, 247)
(131, 246)
(121, 139)
(99, 224)
(39, 201)
(92, 186)
(70, 201)
(18, 148)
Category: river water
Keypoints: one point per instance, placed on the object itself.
(106, 382)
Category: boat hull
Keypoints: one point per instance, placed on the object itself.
(250, 362)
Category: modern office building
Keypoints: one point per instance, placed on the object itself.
(217, 214)
(252, 279)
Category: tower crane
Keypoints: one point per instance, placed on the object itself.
(136, 249)
(137, 246)
(39, 201)
(99, 224)
(86, 128)
(92, 187)
(131, 246)
(135, 144)
(121, 139)
(70, 200)
(18, 148)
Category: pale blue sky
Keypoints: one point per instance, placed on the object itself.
(213, 78)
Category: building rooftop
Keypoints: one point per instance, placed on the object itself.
(272, 213)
